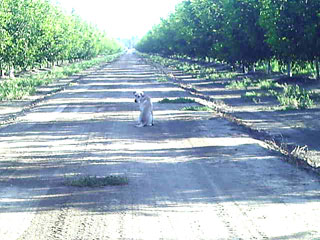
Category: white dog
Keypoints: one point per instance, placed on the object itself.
(146, 108)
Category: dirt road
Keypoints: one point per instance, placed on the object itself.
(191, 176)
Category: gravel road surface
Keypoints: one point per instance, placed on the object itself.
(192, 175)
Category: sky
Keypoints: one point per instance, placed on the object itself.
(121, 18)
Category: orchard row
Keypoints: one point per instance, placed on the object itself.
(36, 32)
(242, 32)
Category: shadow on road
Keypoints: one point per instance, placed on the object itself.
(188, 161)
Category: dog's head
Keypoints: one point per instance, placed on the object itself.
(138, 95)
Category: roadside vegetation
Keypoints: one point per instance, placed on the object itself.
(37, 36)
(162, 79)
(186, 100)
(256, 86)
(94, 181)
(218, 40)
(251, 34)
(19, 87)
(177, 100)
(36, 33)
(197, 108)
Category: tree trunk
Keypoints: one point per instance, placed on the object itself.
(269, 70)
(243, 68)
(289, 70)
(11, 72)
(253, 68)
(316, 63)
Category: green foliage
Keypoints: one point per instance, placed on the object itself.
(35, 32)
(17, 88)
(293, 97)
(254, 96)
(240, 32)
(197, 108)
(177, 100)
(94, 181)
(292, 28)
(162, 79)
(243, 39)
(247, 82)
(240, 84)
(219, 75)
(267, 84)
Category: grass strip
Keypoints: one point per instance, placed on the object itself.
(197, 108)
(20, 87)
(94, 181)
(177, 100)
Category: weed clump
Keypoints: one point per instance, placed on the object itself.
(177, 100)
(94, 181)
(294, 97)
(18, 88)
(197, 108)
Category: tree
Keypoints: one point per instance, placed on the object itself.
(292, 29)
(209, 27)
(244, 39)
(240, 31)
(5, 38)
(33, 32)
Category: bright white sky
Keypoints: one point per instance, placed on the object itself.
(121, 18)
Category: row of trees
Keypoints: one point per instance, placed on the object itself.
(35, 32)
(240, 31)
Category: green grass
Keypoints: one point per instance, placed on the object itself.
(197, 108)
(253, 96)
(206, 73)
(289, 97)
(293, 97)
(222, 75)
(177, 100)
(241, 84)
(18, 88)
(267, 84)
(94, 181)
(162, 79)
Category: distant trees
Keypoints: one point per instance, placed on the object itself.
(240, 31)
(35, 32)
(244, 38)
(292, 29)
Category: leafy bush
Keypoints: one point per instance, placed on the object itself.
(94, 181)
(17, 88)
(242, 84)
(267, 84)
(177, 100)
(294, 97)
(197, 108)
(37, 32)
(162, 79)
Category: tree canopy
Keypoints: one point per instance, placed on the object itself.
(33, 32)
(239, 31)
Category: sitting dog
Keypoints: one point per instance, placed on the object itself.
(146, 108)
